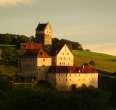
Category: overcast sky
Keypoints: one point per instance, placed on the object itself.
(90, 22)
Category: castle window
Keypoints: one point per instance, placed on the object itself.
(44, 59)
(67, 53)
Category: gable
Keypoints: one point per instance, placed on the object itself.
(65, 51)
(43, 54)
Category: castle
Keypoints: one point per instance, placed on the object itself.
(39, 60)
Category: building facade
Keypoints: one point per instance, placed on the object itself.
(63, 78)
(57, 66)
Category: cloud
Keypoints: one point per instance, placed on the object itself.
(108, 48)
(14, 2)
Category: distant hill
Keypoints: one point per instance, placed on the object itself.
(103, 62)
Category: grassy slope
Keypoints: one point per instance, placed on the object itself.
(103, 61)
(7, 70)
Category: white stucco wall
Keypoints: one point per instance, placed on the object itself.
(48, 35)
(65, 57)
(65, 81)
(44, 61)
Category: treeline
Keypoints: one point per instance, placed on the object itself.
(71, 44)
(13, 39)
(9, 43)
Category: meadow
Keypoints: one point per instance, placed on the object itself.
(102, 61)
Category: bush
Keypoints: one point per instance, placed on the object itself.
(4, 82)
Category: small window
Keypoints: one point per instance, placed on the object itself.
(67, 53)
(44, 59)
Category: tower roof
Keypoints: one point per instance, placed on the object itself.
(41, 26)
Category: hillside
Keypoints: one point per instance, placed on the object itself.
(7, 70)
(103, 61)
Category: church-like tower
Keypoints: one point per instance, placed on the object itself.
(44, 34)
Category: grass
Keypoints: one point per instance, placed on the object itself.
(7, 70)
(6, 45)
(103, 61)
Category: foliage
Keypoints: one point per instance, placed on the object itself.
(71, 44)
(12, 39)
(9, 55)
(92, 63)
(44, 84)
(4, 82)
(35, 99)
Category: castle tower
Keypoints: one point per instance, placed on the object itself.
(44, 34)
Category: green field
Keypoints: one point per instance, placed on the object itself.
(6, 45)
(8, 70)
(103, 61)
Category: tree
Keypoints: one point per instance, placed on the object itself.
(92, 63)
(9, 55)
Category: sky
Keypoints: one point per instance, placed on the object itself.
(90, 22)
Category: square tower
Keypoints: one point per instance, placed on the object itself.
(44, 34)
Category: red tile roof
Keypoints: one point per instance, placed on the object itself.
(40, 53)
(31, 45)
(87, 69)
(71, 69)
